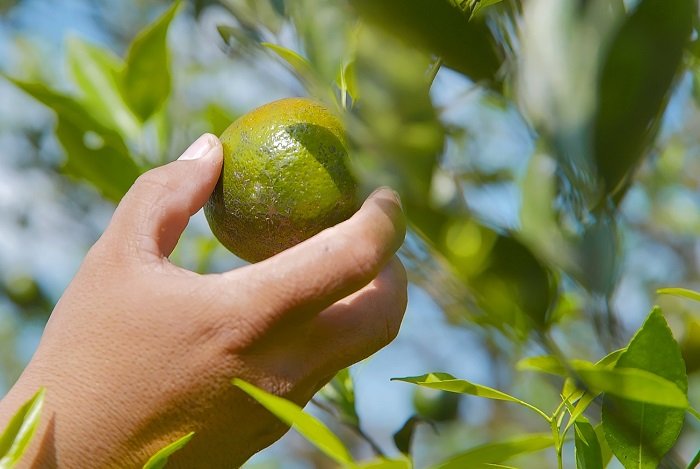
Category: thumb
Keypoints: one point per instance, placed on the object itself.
(155, 211)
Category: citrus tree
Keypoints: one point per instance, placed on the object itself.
(544, 153)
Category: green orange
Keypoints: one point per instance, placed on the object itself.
(285, 178)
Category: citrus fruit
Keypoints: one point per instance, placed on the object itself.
(285, 177)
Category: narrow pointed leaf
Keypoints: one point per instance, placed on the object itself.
(146, 82)
(160, 459)
(17, 436)
(588, 454)
(495, 453)
(386, 464)
(447, 382)
(298, 64)
(640, 434)
(681, 292)
(309, 426)
(642, 62)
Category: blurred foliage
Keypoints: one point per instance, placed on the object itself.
(599, 189)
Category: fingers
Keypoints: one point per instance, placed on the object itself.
(153, 214)
(329, 266)
(361, 324)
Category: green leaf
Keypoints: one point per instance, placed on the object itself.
(630, 383)
(447, 382)
(71, 110)
(639, 434)
(94, 153)
(588, 455)
(109, 170)
(681, 292)
(494, 453)
(347, 81)
(386, 464)
(298, 64)
(97, 73)
(403, 438)
(17, 436)
(309, 426)
(605, 451)
(160, 459)
(441, 28)
(146, 80)
(639, 69)
(340, 392)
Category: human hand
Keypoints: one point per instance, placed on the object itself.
(138, 352)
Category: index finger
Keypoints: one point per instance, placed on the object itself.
(331, 265)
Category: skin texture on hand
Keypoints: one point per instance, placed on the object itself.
(138, 352)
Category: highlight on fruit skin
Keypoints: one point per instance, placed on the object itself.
(285, 178)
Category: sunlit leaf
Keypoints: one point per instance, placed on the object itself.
(298, 64)
(109, 170)
(97, 72)
(146, 81)
(588, 454)
(94, 153)
(680, 292)
(386, 464)
(639, 69)
(309, 426)
(551, 364)
(494, 453)
(160, 459)
(639, 434)
(17, 436)
(70, 109)
(447, 382)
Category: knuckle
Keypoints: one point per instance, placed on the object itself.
(155, 179)
(363, 258)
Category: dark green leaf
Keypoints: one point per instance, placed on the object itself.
(17, 436)
(309, 426)
(160, 459)
(640, 434)
(441, 28)
(146, 80)
(494, 453)
(588, 454)
(403, 438)
(515, 285)
(640, 66)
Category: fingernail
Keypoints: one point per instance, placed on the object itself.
(398, 198)
(199, 148)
